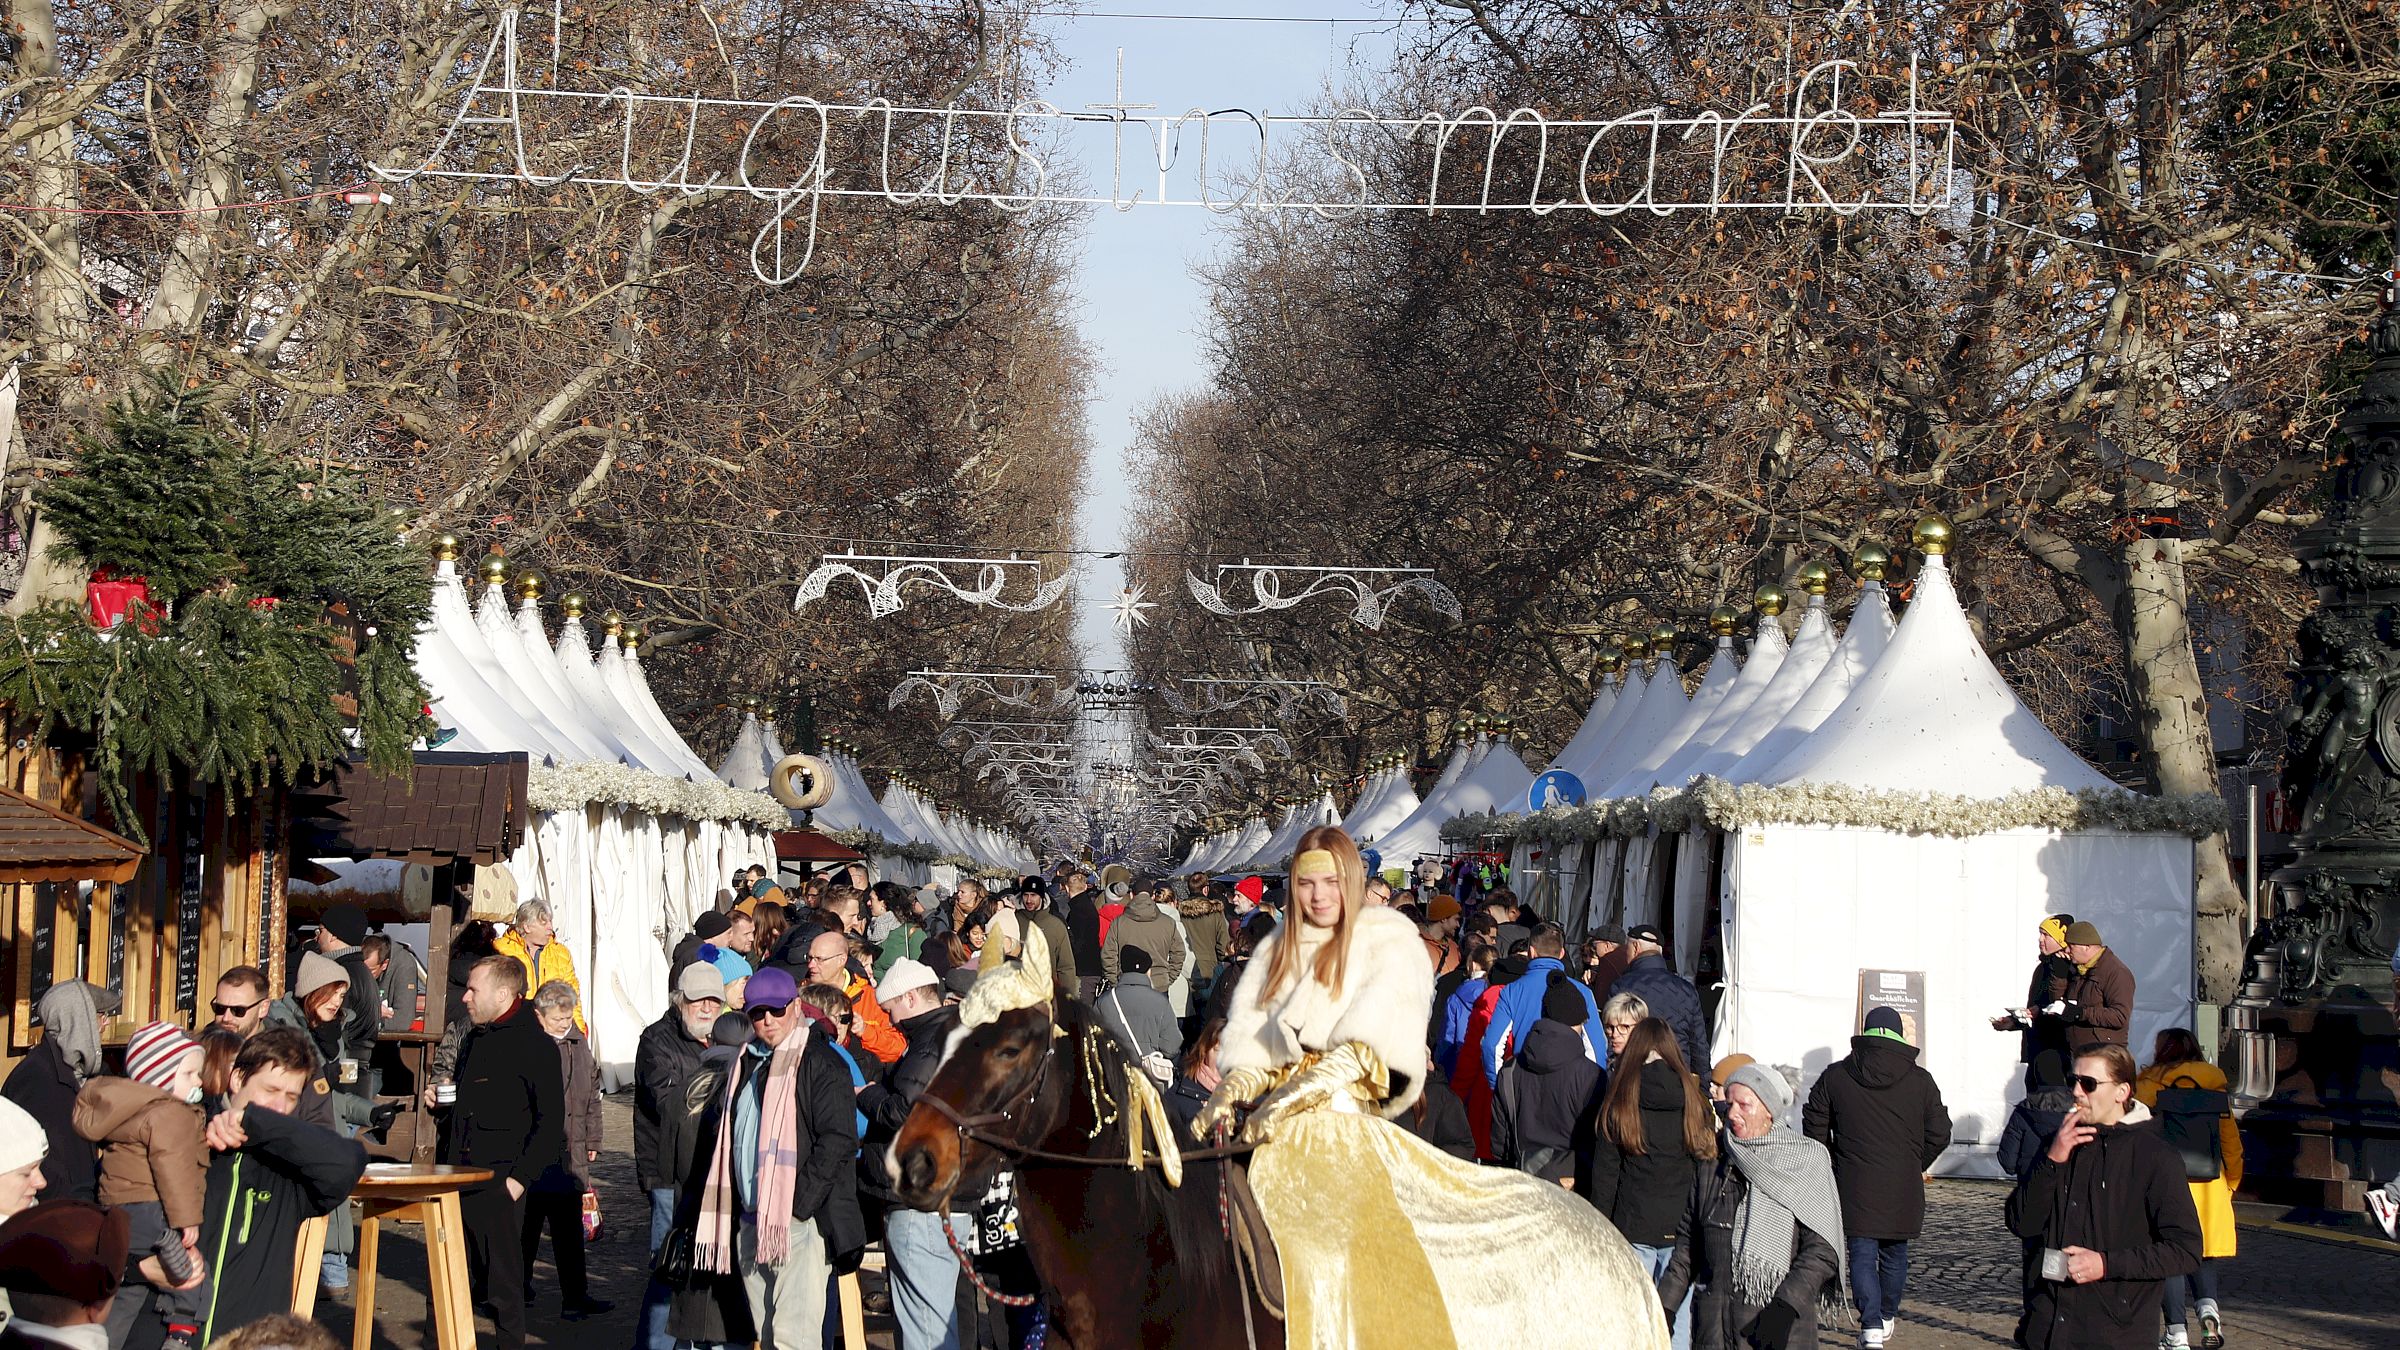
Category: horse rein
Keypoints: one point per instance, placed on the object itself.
(978, 1129)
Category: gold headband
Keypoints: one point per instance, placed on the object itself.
(1314, 863)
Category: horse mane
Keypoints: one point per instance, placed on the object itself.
(1194, 1228)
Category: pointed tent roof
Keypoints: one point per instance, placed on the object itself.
(746, 765)
(1811, 649)
(1767, 648)
(1378, 783)
(1723, 668)
(1934, 715)
(1629, 695)
(1253, 836)
(1498, 783)
(1863, 644)
(1397, 804)
(1662, 707)
(1581, 746)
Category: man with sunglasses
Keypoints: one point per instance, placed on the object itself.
(2109, 1208)
(240, 1003)
(786, 1178)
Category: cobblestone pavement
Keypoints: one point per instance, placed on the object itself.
(2283, 1290)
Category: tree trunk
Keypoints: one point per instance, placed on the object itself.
(57, 298)
(2171, 703)
(186, 283)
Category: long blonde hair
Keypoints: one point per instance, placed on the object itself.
(1333, 959)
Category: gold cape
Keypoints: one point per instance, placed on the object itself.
(1387, 1242)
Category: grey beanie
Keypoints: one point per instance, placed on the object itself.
(1767, 1083)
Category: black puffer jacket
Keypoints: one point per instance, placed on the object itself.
(2122, 1195)
(887, 1104)
(1882, 1118)
(2031, 1126)
(511, 1115)
(1542, 1108)
(1645, 1194)
(1703, 1267)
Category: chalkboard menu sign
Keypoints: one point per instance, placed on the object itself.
(190, 853)
(45, 937)
(120, 906)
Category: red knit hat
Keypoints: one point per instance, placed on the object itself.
(1252, 887)
(155, 1052)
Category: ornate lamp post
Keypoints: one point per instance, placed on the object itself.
(2314, 1040)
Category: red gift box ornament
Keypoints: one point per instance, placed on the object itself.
(110, 598)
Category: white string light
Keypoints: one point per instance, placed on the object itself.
(1371, 601)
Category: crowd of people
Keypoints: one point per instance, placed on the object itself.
(804, 1024)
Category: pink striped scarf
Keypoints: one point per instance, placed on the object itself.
(778, 1167)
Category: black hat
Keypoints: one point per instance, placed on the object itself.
(1510, 969)
(1610, 932)
(1133, 960)
(710, 925)
(1563, 1002)
(347, 922)
(1647, 932)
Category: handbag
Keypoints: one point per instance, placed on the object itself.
(1153, 1062)
(671, 1264)
(591, 1217)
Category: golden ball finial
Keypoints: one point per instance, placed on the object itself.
(494, 568)
(1769, 600)
(633, 637)
(1636, 647)
(1932, 534)
(529, 585)
(1815, 578)
(445, 549)
(571, 604)
(1610, 663)
(1870, 561)
(1662, 639)
(615, 623)
(750, 703)
(1722, 619)
(1500, 727)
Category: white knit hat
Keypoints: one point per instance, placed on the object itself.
(22, 1141)
(316, 971)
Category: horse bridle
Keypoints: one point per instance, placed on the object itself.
(979, 1128)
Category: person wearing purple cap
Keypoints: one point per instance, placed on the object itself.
(777, 1197)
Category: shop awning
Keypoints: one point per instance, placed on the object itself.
(40, 843)
(810, 846)
(456, 807)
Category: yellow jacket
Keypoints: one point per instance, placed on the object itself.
(555, 963)
(2214, 1199)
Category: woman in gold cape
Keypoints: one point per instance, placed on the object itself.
(1385, 1240)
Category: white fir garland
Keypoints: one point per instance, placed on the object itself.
(572, 787)
(1729, 806)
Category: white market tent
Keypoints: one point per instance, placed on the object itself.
(631, 835)
(1496, 781)
(1396, 802)
(1715, 683)
(1589, 737)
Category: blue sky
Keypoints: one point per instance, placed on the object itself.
(1143, 312)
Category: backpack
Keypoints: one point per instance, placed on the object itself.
(2189, 1118)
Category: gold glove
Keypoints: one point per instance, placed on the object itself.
(1347, 1068)
(1236, 1090)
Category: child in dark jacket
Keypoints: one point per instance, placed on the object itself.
(1544, 1103)
(153, 1164)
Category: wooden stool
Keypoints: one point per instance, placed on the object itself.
(405, 1193)
(854, 1313)
(308, 1256)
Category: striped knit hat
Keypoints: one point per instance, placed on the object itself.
(155, 1052)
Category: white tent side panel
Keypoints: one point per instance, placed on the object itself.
(1809, 907)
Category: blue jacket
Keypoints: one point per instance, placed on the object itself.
(1672, 1000)
(1520, 1006)
(1454, 1021)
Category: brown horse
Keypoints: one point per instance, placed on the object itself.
(1123, 1258)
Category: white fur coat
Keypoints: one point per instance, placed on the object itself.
(1386, 1000)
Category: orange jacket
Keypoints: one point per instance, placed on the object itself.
(875, 1030)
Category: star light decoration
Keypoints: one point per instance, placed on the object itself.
(1128, 607)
